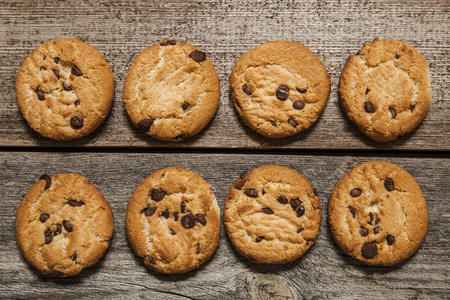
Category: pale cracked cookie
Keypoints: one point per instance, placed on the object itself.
(173, 221)
(279, 88)
(65, 89)
(378, 214)
(63, 225)
(272, 215)
(385, 89)
(171, 91)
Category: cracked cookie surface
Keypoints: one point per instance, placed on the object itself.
(272, 215)
(378, 214)
(64, 89)
(385, 89)
(173, 221)
(171, 91)
(279, 88)
(63, 225)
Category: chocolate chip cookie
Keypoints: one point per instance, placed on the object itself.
(173, 221)
(272, 215)
(279, 88)
(63, 225)
(65, 89)
(171, 91)
(378, 214)
(385, 89)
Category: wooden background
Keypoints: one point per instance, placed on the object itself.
(117, 157)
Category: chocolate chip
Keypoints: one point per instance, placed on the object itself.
(274, 123)
(45, 57)
(389, 184)
(175, 216)
(74, 256)
(377, 220)
(239, 185)
(368, 107)
(282, 200)
(369, 250)
(188, 221)
(56, 60)
(58, 229)
(295, 203)
(67, 226)
(396, 56)
(376, 230)
(40, 94)
(292, 122)
(145, 125)
(411, 107)
(48, 181)
(367, 91)
(77, 102)
(182, 137)
(77, 122)
(302, 91)
(201, 219)
(393, 113)
(56, 72)
(43, 69)
(150, 259)
(165, 213)
(185, 105)
(298, 105)
(246, 89)
(390, 239)
(315, 192)
(282, 92)
(352, 211)
(267, 210)
(48, 236)
(251, 193)
(167, 42)
(300, 230)
(259, 239)
(198, 248)
(183, 207)
(371, 218)
(243, 175)
(75, 203)
(67, 87)
(43, 218)
(263, 192)
(198, 56)
(355, 192)
(76, 71)
(157, 194)
(172, 232)
(300, 211)
(363, 231)
(149, 211)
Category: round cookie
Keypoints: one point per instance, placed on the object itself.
(173, 221)
(63, 225)
(279, 88)
(171, 91)
(65, 89)
(377, 214)
(272, 215)
(385, 89)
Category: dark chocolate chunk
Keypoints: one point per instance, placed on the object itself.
(282, 200)
(167, 42)
(74, 256)
(68, 226)
(259, 239)
(411, 107)
(371, 218)
(292, 122)
(56, 72)
(75, 203)
(267, 210)
(43, 218)
(282, 92)
(367, 91)
(302, 91)
(150, 259)
(201, 218)
(40, 94)
(77, 102)
(377, 220)
(157, 194)
(145, 125)
(246, 89)
(48, 181)
(389, 184)
(251, 193)
(300, 230)
(390, 239)
(352, 211)
(198, 248)
(43, 69)
(368, 107)
(363, 231)
(274, 123)
(239, 185)
(48, 236)
(183, 207)
(393, 113)
(300, 211)
(198, 56)
(355, 192)
(66, 87)
(376, 230)
(369, 250)
(182, 137)
(243, 175)
(165, 213)
(185, 105)
(77, 122)
(149, 211)
(397, 56)
(58, 229)
(172, 232)
(76, 71)
(188, 221)
(175, 216)
(315, 192)
(298, 105)
(295, 203)
(56, 60)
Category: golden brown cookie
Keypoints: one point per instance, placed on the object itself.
(272, 215)
(385, 89)
(377, 214)
(279, 88)
(64, 89)
(171, 91)
(173, 221)
(63, 225)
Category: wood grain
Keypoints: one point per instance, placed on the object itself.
(323, 272)
(225, 30)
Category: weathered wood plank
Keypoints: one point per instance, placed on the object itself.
(225, 30)
(323, 272)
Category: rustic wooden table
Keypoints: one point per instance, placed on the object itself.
(116, 157)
